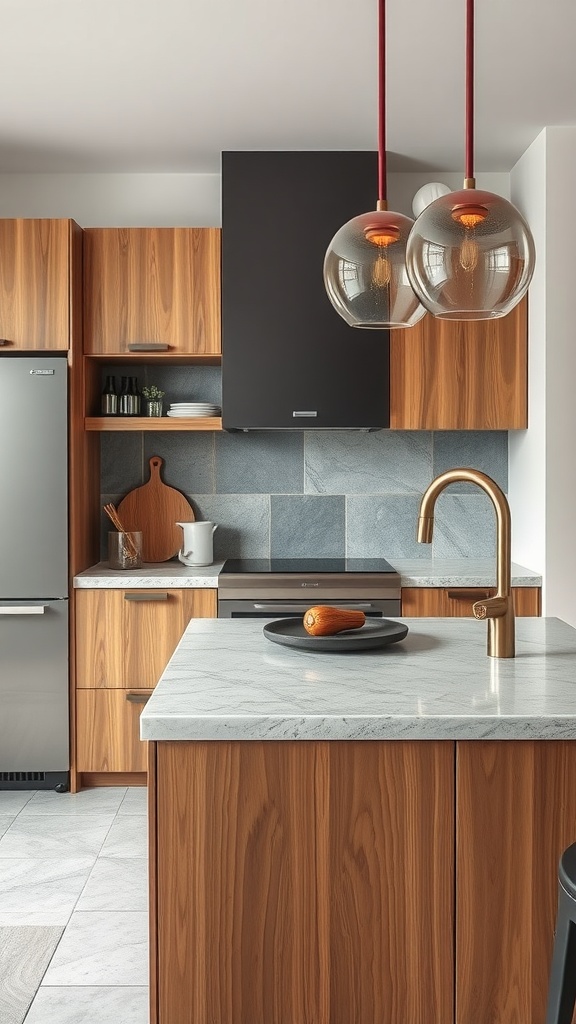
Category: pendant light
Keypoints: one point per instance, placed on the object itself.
(470, 254)
(365, 264)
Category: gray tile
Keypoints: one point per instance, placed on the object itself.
(39, 891)
(486, 450)
(243, 523)
(188, 459)
(102, 948)
(383, 526)
(56, 835)
(116, 883)
(260, 462)
(87, 1004)
(135, 801)
(307, 526)
(5, 822)
(12, 801)
(379, 462)
(186, 383)
(121, 461)
(464, 526)
(89, 801)
(128, 837)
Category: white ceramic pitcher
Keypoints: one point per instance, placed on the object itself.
(197, 547)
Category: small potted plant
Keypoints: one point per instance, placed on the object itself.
(153, 397)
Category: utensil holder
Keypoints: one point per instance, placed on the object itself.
(125, 550)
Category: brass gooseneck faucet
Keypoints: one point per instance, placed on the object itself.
(498, 610)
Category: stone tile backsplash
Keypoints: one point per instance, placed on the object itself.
(316, 493)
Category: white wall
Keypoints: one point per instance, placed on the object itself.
(114, 200)
(542, 462)
(167, 200)
(527, 448)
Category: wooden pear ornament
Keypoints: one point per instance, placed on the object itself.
(325, 620)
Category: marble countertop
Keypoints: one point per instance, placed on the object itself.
(424, 572)
(226, 681)
(153, 575)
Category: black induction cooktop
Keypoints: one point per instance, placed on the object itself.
(305, 565)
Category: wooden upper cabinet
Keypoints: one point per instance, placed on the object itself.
(461, 375)
(35, 284)
(152, 286)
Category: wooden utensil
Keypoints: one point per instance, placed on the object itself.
(154, 508)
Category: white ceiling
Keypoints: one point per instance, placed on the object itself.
(165, 85)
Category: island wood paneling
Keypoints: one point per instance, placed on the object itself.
(457, 601)
(152, 285)
(305, 882)
(516, 813)
(460, 375)
(35, 284)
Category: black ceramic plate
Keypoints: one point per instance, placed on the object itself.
(374, 633)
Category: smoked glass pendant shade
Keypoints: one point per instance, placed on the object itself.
(365, 272)
(470, 256)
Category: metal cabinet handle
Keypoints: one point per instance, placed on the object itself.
(148, 346)
(158, 595)
(23, 609)
(138, 696)
(301, 607)
(468, 595)
(5, 341)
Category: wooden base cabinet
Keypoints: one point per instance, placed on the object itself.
(303, 882)
(355, 883)
(456, 602)
(124, 640)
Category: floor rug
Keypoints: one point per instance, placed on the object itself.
(25, 952)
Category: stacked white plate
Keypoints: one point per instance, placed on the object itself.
(189, 409)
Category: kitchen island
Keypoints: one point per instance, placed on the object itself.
(359, 838)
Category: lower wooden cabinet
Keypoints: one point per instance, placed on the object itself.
(356, 883)
(303, 883)
(124, 640)
(108, 731)
(457, 601)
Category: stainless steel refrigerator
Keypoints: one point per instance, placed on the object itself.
(34, 731)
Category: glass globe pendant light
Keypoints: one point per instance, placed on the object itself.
(365, 264)
(470, 254)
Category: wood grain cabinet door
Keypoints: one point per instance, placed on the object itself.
(158, 286)
(34, 284)
(456, 602)
(125, 638)
(516, 814)
(304, 883)
(461, 375)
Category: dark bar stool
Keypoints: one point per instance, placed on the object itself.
(562, 990)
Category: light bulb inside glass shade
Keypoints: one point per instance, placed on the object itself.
(365, 272)
(470, 256)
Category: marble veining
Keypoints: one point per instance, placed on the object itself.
(415, 572)
(227, 681)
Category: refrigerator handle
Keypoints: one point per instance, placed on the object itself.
(22, 609)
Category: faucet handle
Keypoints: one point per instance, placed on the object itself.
(490, 608)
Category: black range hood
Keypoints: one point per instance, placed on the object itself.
(288, 360)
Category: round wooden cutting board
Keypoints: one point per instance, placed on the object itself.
(155, 509)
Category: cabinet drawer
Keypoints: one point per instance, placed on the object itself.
(457, 601)
(108, 731)
(125, 638)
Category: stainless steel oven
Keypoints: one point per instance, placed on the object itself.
(270, 588)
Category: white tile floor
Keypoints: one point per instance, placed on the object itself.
(80, 860)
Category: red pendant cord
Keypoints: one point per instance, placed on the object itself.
(381, 102)
(469, 169)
